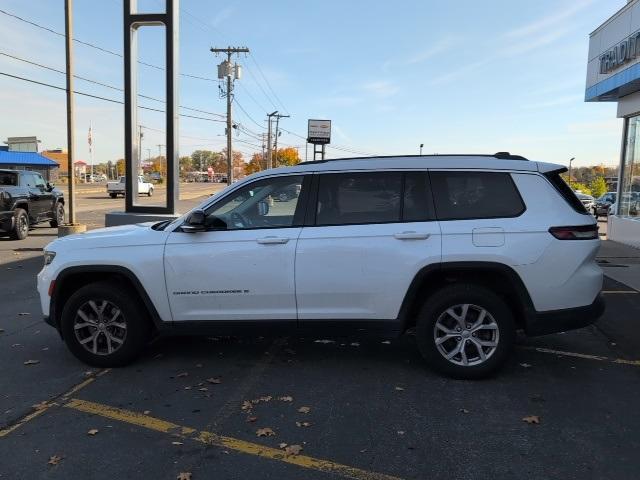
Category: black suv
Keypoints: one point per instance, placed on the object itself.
(25, 200)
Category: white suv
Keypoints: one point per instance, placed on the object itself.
(465, 249)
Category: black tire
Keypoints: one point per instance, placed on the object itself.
(113, 195)
(58, 213)
(150, 192)
(132, 315)
(20, 224)
(478, 298)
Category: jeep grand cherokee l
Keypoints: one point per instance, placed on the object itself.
(464, 249)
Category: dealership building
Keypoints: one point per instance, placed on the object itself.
(613, 75)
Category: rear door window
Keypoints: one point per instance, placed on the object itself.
(474, 195)
(565, 191)
(359, 198)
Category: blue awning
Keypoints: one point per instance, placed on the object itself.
(26, 159)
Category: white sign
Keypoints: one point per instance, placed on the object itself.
(319, 132)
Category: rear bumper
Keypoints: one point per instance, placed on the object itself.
(543, 323)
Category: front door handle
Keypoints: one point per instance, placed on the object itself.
(411, 236)
(272, 240)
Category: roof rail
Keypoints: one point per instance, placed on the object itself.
(500, 155)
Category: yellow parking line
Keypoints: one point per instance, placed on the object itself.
(44, 406)
(249, 448)
(635, 363)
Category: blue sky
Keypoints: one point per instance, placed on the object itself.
(463, 76)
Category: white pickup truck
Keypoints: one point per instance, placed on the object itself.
(118, 188)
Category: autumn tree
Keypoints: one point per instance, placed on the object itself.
(254, 165)
(286, 157)
(598, 186)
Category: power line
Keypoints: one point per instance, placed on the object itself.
(97, 47)
(246, 90)
(235, 100)
(98, 97)
(104, 84)
(268, 84)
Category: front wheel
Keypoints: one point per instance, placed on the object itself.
(150, 192)
(465, 331)
(20, 224)
(113, 195)
(104, 325)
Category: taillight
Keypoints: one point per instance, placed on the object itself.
(580, 232)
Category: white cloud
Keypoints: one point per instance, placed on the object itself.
(438, 47)
(381, 88)
(549, 21)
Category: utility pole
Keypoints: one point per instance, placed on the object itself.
(231, 72)
(160, 145)
(140, 135)
(278, 117)
(269, 162)
(68, 31)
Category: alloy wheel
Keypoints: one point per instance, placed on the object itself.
(100, 327)
(466, 334)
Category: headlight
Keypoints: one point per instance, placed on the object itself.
(48, 257)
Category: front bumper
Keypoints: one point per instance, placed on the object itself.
(543, 323)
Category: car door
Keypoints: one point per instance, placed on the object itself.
(36, 202)
(45, 197)
(371, 233)
(241, 268)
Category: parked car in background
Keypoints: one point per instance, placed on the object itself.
(587, 200)
(27, 199)
(118, 188)
(603, 204)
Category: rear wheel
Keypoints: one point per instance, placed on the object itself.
(58, 213)
(104, 325)
(113, 195)
(20, 224)
(465, 331)
(150, 192)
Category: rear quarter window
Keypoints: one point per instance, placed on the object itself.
(565, 191)
(475, 195)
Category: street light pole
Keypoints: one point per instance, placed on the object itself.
(421, 145)
(570, 162)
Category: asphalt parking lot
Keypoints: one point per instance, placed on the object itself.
(373, 409)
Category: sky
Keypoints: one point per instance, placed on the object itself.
(457, 76)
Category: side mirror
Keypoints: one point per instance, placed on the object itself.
(195, 222)
(263, 208)
(49, 187)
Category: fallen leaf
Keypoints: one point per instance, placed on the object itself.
(181, 375)
(324, 341)
(146, 412)
(22, 314)
(32, 362)
(464, 410)
(265, 432)
(187, 388)
(283, 445)
(292, 450)
(251, 419)
(214, 380)
(40, 406)
(286, 398)
(177, 443)
(93, 431)
(525, 365)
(531, 419)
(184, 476)
(303, 424)
(246, 405)
(54, 460)
(400, 389)
(400, 432)
(203, 389)
(304, 409)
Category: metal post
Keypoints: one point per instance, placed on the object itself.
(68, 29)
(229, 147)
(278, 117)
(570, 162)
(269, 145)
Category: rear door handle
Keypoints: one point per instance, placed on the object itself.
(411, 236)
(272, 240)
